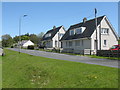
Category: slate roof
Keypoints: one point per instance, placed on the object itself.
(90, 27)
(53, 32)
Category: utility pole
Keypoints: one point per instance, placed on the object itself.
(96, 30)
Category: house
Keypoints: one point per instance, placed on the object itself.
(53, 36)
(25, 43)
(82, 36)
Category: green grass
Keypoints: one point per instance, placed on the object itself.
(27, 71)
(94, 56)
(0, 72)
(118, 41)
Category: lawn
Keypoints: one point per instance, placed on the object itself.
(27, 71)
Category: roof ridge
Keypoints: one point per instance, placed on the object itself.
(88, 20)
(55, 28)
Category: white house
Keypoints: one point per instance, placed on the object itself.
(52, 37)
(82, 36)
(25, 43)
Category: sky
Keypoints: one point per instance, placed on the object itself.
(42, 16)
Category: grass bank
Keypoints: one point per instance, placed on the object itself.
(27, 71)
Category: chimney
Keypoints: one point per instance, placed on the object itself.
(84, 20)
(54, 27)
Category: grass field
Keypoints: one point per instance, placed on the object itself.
(27, 71)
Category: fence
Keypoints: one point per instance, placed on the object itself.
(108, 53)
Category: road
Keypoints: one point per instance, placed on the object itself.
(82, 59)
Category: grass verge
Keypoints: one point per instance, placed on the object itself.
(27, 71)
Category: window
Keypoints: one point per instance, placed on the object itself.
(48, 35)
(61, 35)
(71, 32)
(55, 43)
(77, 43)
(78, 30)
(48, 43)
(105, 42)
(66, 44)
(70, 43)
(104, 31)
(82, 42)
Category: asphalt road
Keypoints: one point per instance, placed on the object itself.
(82, 59)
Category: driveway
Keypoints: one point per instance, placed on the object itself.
(82, 59)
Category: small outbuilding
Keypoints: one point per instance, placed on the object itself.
(25, 43)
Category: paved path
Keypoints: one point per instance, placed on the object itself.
(83, 59)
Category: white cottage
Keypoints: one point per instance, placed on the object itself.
(52, 37)
(82, 36)
(25, 43)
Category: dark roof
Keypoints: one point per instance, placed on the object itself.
(53, 32)
(90, 27)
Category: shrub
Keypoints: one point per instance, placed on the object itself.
(30, 47)
(56, 50)
(12, 47)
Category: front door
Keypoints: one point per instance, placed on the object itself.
(95, 44)
(61, 45)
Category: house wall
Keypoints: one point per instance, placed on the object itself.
(27, 44)
(49, 43)
(57, 37)
(110, 37)
(90, 43)
(83, 44)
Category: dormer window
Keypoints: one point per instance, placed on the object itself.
(48, 35)
(104, 31)
(72, 32)
(78, 30)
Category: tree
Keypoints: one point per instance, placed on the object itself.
(16, 39)
(34, 38)
(27, 34)
(7, 40)
(23, 37)
(40, 36)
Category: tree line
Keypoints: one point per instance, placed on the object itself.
(8, 41)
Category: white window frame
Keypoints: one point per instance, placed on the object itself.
(105, 43)
(78, 32)
(70, 43)
(48, 35)
(104, 30)
(73, 32)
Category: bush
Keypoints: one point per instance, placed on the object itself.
(12, 47)
(31, 47)
(56, 50)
